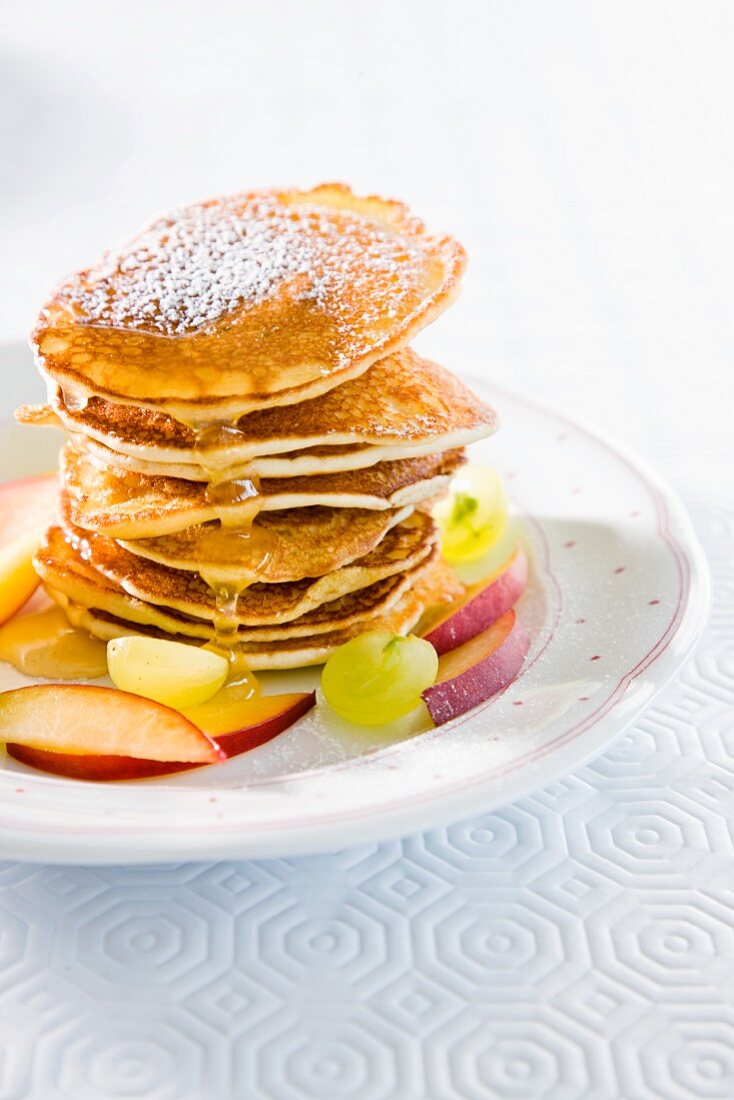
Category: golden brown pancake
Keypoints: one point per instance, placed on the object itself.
(310, 460)
(71, 579)
(402, 548)
(401, 406)
(302, 542)
(139, 506)
(431, 584)
(249, 301)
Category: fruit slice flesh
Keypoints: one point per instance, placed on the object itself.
(18, 578)
(27, 505)
(378, 677)
(171, 673)
(478, 669)
(26, 508)
(482, 605)
(84, 719)
(240, 719)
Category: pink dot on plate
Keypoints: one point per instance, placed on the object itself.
(579, 621)
(517, 703)
(596, 657)
(583, 698)
(620, 569)
(652, 603)
(634, 514)
(568, 545)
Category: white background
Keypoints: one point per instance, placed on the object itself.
(582, 151)
(578, 945)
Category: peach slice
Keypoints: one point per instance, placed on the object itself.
(94, 732)
(18, 578)
(241, 720)
(478, 669)
(482, 605)
(26, 507)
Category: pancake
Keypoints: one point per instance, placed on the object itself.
(139, 506)
(402, 548)
(302, 542)
(37, 416)
(311, 460)
(245, 302)
(402, 406)
(70, 579)
(432, 584)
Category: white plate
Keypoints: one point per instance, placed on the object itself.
(617, 600)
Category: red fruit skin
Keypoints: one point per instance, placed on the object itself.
(110, 769)
(239, 741)
(478, 682)
(484, 608)
(94, 769)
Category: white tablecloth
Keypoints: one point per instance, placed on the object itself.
(578, 944)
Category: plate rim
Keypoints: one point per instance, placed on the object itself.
(461, 799)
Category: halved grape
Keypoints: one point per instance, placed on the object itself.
(378, 677)
(474, 514)
(172, 673)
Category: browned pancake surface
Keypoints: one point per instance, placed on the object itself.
(70, 577)
(280, 546)
(141, 506)
(259, 604)
(402, 400)
(427, 585)
(256, 299)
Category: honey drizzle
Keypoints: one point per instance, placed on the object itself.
(238, 502)
(44, 644)
(75, 400)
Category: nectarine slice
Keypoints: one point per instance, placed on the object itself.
(86, 721)
(27, 505)
(94, 769)
(478, 669)
(26, 508)
(18, 578)
(240, 720)
(482, 605)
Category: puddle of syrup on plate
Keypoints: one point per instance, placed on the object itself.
(43, 644)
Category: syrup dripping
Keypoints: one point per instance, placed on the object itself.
(75, 400)
(44, 644)
(235, 538)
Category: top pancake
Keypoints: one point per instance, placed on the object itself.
(401, 406)
(240, 303)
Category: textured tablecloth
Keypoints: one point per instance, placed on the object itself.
(578, 945)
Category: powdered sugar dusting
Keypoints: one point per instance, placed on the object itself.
(200, 263)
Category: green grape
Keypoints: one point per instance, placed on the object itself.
(378, 677)
(473, 516)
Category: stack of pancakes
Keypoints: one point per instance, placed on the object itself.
(253, 449)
